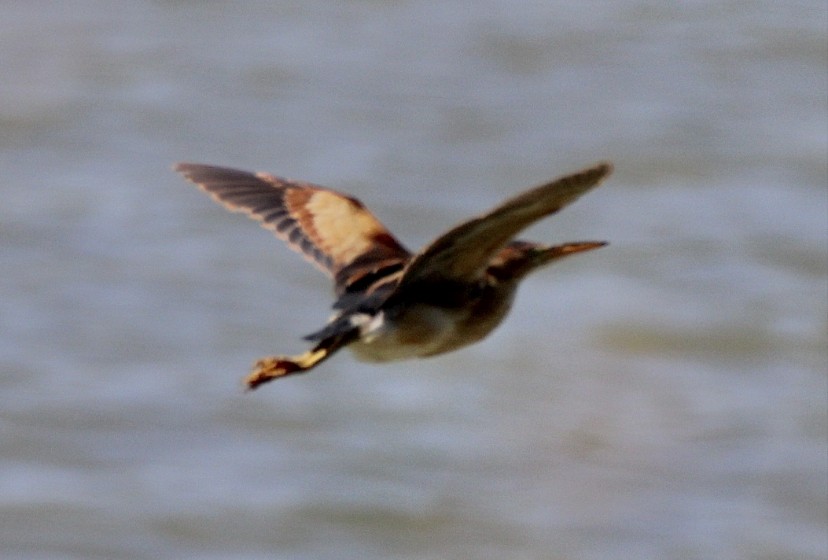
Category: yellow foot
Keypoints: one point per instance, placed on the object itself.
(273, 367)
(268, 369)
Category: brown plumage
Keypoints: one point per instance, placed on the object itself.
(393, 304)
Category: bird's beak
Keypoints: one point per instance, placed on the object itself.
(545, 255)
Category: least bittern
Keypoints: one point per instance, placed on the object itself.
(392, 304)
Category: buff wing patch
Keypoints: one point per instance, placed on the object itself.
(332, 230)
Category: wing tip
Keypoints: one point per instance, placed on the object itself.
(183, 166)
(190, 170)
(602, 168)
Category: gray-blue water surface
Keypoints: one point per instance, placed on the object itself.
(662, 398)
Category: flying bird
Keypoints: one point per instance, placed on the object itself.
(392, 304)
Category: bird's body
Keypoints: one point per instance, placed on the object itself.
(427, 329)
(392, 304)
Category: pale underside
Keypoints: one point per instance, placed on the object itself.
(421, 331)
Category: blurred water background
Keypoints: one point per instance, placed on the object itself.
(663, 398)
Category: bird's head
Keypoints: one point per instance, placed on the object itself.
(518, 258)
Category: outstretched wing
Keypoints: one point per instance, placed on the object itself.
(464, 252)
(332, 230)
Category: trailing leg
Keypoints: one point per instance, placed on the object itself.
(273, 367)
